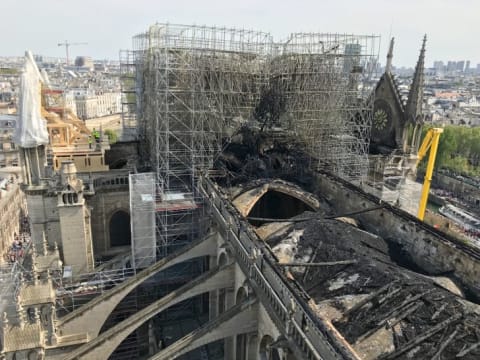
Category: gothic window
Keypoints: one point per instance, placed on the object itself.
(383, 124)
(380, 119)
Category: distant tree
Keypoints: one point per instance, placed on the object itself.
(446, 147)
(459, 150)
(112, 136)
(475, 148)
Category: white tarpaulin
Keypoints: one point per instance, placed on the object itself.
(31, 129)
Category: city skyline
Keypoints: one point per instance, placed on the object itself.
(108, 26)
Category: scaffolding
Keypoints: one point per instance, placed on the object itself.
(71, 294)
(195, 86)
(128, 81)
(142, 191)
(188, 89)
(319, 81)
(198, 85)
(392, 178)
(192, 87)
(161, 221)
(10, 282)
(12, 277)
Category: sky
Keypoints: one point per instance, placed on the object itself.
(108, 25)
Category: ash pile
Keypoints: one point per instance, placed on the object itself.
(383, 310)
(254, 154)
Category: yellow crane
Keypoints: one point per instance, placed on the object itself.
(429, 142)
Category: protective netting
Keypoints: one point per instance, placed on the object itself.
(31, 129)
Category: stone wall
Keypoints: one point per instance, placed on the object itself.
(76, 239)
(430, 249)
(12, 207)
(43, 214)
(103, 205)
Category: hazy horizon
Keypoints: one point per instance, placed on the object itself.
(108, 25)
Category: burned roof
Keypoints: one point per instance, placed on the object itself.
(359, 282)
(381, 308)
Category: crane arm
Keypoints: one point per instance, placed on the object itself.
(426, 143)
(68, 44)
(429, 143)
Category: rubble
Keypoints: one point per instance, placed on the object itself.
(384, 299)
(357, 281)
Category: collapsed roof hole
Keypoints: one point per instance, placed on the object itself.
(277, 205)
(400, 256)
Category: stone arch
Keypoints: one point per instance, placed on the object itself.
(264, 347)
(265, 351)
(241, 319)
(241, 340)
(119, 228)
(31, 313)
(34, 355)
(275, 200)
(118, 333)
(278, 205)
(223, 259)
(242, 295)
(92, 316)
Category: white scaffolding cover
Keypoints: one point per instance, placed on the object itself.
(142, 219)
(31, 129)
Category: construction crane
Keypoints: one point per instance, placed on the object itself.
(429, 142)
(68, 44)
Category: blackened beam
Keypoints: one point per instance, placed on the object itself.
(315, 218)
(327, 263)
(421, 338)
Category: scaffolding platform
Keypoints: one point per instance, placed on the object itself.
(175, 202)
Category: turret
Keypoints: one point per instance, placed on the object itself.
(388, 67)
(74, 218)
(413, 109)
